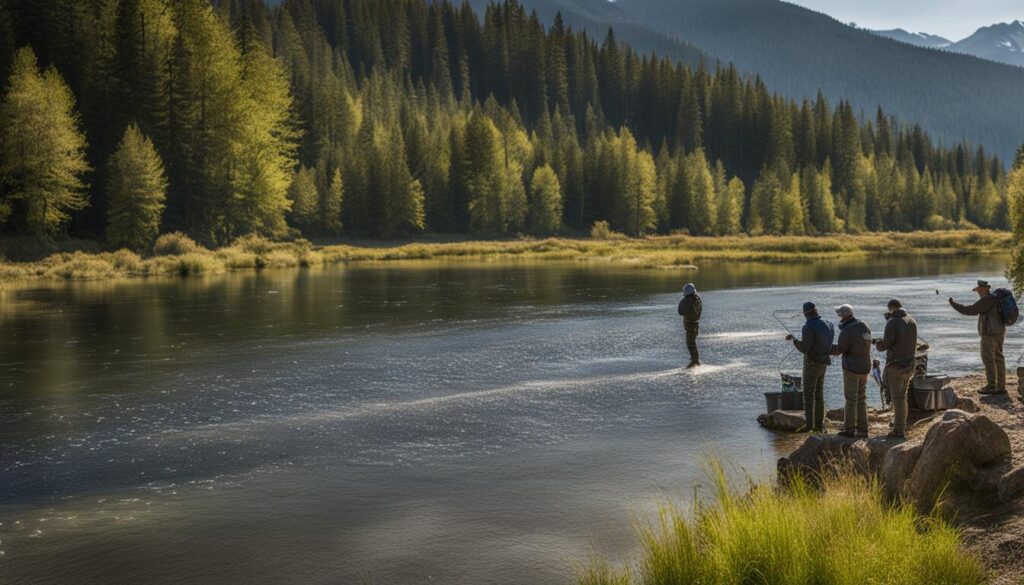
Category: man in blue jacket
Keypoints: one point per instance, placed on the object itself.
(816, 345)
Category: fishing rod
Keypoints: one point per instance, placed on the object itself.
(792, 348)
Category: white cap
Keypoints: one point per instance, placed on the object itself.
(844, 311)
(689, 289)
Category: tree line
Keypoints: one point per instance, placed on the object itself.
(388, 118)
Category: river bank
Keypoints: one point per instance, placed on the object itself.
(958, 478)
(979, 490)
(177, 255)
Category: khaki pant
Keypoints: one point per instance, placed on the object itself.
(855, 415)
(692, 331)
(897, 380)
(814, 394)
(995, 363)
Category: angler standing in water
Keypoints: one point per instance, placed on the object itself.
(816, 345)
(691, 308)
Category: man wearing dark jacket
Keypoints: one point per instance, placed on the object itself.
(690, 308)
(854, 346)
(816, 345)
(993, 332)
(900, 347)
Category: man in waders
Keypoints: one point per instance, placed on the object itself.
(900, 347)
(816, 345)
(691, 308)
(993, 332)
(854, 346)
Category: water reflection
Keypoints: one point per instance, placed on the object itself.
(456, 422)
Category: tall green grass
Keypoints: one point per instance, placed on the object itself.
(842, 534)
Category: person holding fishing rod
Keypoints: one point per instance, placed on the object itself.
(900, 347)
(690, 309)
(992, 329)
(816, 345)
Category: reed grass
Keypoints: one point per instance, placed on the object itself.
(176, 254)
(841, 534)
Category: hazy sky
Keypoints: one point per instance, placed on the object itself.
(953, 19)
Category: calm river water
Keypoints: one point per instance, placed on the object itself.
(431, 423)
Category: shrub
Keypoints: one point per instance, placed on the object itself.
(174, 244)
(601, 231)
(843, 533)
(254, 244)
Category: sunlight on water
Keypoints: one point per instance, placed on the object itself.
(446, 424)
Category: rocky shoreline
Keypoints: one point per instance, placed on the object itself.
(966, 463)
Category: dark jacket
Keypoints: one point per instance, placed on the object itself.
(900, 341)
(691, 308)
(990, 321)
(816, 341)
(855, 346)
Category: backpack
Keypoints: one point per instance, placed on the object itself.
(1008, 309)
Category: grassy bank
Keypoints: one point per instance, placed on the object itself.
(800, 536)
(176, 255)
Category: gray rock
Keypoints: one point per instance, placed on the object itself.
(967, 405)
(782, 420)
(822, 453)
(955, 446)
(898, 467)
(1011, 485)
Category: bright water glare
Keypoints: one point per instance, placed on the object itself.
(434, 423)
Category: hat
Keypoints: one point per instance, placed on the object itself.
(844, 311)
(982, 284)
(895, 304)
(689, 289)
(809, 308)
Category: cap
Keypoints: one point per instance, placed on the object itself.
(982, 284)
(689, 289)
(844, 311)
(809, 307)
(895, 304)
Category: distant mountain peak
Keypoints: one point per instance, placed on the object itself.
(1003, 42)
(920, 39)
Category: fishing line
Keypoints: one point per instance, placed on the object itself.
(792, 348)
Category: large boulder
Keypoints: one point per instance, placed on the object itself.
(823, 453)
(782, 420)
(954, 448)
(898, 467)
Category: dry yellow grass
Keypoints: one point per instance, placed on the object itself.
(179, 256)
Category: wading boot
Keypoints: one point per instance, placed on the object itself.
(895, 435)
(692, 365)
(847, 434)
(862, 434)
(989, 390)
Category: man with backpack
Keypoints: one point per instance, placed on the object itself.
(994, 312)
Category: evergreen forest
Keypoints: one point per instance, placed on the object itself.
(124, 119)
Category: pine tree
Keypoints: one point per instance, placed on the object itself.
(137, 188)
(42, 151)
(304, 199)
(545, 201)
(331, 200)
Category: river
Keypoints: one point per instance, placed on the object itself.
(457, 423)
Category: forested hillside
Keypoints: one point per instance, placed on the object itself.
(798, 51)
(388, 118)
